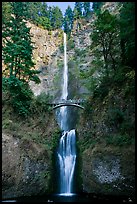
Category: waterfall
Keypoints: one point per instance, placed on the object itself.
(63, 110)
(66, 152)
(67, 160)
(65, 73)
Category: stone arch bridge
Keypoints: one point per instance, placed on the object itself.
(76, 103)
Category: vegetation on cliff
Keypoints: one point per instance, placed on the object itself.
(111, 76)
(109, 119)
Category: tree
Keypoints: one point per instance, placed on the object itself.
(105, 39)
(44, 10)
(6, 13)
(43, 17)
(34, 11)
(17, 57)
(56, 17)
(78, 10)
(86, 6)
(68, 20)
(96, 6)
(127, 33)
(17, 46)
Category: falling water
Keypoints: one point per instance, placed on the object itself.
(67, 145)
(67, 159)
(63, 110)
(65, 73)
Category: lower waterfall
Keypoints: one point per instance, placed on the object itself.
(67, 159)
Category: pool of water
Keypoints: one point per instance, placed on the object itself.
(84, 197)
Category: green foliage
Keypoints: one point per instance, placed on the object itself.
(61, 47)
(43, 22)
(88, 108)
(17, 50)
(71, 44)
(110, 41)
(115, 116)
(86, 6)
(55, 138)
(103, 88)
(56, 18)
(78, 10)
(40, 104)
(97, 6)
(68, 20)
(39, 13)
(80, 53)
(128, 127)
(105, 39)
(60, 64)
(6, 13)
(20, 95)
(119, 140)
(17, 57)
(127, 33)
(87, 141)
(50, 32)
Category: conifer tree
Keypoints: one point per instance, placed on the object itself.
(6, 13)
(68, 20)
(86, 6)
(56, 17)
(78, 10)
(17, 46)
(97, 5)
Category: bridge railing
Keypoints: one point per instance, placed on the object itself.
(75, 101)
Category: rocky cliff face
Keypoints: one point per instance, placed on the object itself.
(46, 54)
(24, 164)
(79, 53)
(27, 155)
(107, 145)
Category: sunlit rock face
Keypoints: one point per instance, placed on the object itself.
(46, 54)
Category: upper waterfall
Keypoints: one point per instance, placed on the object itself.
(65, 73)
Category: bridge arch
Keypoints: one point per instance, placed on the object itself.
(69, 104)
